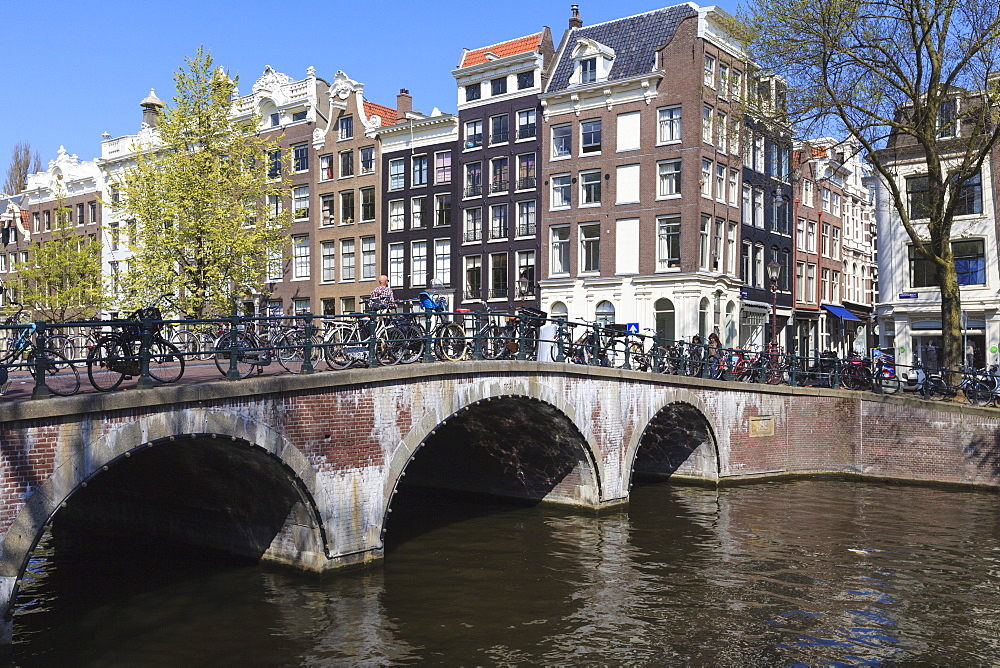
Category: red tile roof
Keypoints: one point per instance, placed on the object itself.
(503, 49)
(387, 115)
(25, 218)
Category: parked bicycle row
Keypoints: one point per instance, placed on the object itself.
(153, 350)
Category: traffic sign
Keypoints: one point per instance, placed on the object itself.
(633, 328)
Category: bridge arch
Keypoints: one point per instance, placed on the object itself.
(537, 400)
(302, 538)
(679, 437)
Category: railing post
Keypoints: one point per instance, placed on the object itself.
(522, 327)
(145, 342)
(428, 336)
(41, 390)
(372, 341)
(234, 371)
(595, 344)
(307, 348)
(628, 352)
(560, 340)
(477, 336)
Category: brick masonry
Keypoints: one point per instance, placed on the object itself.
(344, 439)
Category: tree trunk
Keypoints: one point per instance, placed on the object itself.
(953, 353)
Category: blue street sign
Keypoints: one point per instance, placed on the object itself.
(907, 295)
(633, 328)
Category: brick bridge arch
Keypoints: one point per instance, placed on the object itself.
(590, 470)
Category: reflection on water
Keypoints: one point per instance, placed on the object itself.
(806, 572)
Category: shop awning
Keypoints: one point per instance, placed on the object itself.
(841, 312)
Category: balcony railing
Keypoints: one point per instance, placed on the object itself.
(499, 186)
(474, 190)
(526, 229)
(474, 235)
(498, 232)
(526, 183)
(499, 137)
(499, 293)
(472, 141)
(473, 293)
(526, 131)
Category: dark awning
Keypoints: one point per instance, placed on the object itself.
(841, 312)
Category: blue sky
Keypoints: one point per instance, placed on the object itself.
(76, 69)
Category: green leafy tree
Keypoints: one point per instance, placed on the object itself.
(916, 82)
(195, 200)
(61, 281)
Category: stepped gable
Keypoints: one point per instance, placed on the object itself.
(501, 50)
(635, 39)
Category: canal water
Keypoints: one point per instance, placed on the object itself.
(809, 572)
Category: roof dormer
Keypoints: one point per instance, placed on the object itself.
(592, 62)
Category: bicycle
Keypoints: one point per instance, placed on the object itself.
(347, 342)
(60, 374)
(253, 351)
(118, 355)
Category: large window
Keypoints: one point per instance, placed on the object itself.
(704, 241)
(418, 263)
(590, 136)
(526, 274)
(300, 157)
(367, 159)
(329, 261)
(707, 122)
(347, 163)
(397, 268)
(397, 175)
(442, 210)
(473, 179)
(526, 124)
(347, 259)
(442, 261)
(562, 141)
(473, 277)
(498, 276)
(397, 214)
(561, 191)
(328, 209)
(273, 164)
(525, 171)
(419, 173)
(326, 171)
(590, 188)
(367, 257)
(417, 208)
(345, 127)
(668, 242)
(473, 92)
(970, 197)
(442, 167)
(526, 219)
(670, 125)
(970, 265)
(473, 224)
(498, 86)
(347, 207)
(559, 259)
(590, 247)
(499, 175)
(300, 201)
(473, 134)
(499, 129)
(669, 178)
(498, 222)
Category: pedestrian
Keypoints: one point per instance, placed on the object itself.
(382, 297)
(714, 351)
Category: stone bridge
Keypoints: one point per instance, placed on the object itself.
(305, 470)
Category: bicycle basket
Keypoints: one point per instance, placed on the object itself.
(145, 313)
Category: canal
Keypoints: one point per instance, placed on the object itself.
(807, 572)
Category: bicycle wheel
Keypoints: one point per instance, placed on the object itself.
(391, 346)
(81, 345)
(61, 344)
(935, 388)
(335, 344)
(292, 350)
(887, 381)
(450, 344)
(413, 344)
(106, 364)
(61, 377)
(186, 342)
(978, 393)
(494, 342)
(615, 352)
(242, 345)
(166, 363)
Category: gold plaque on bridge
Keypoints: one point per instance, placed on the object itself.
(762, 426)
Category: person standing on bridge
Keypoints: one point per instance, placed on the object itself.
(382, 297)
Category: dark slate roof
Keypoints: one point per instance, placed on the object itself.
(635, 40)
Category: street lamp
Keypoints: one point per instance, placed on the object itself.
(773, 273)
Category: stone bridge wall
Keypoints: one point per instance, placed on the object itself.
(342, 441)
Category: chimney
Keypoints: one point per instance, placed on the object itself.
(151, 106)
(404, 104)
(575, 21)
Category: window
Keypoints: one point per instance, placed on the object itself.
(720, 182)
(473, 134)
(747, 205)
(397, 265)
(498, 276)
(347, 163)
(825, 195)
(970, 197)
(590, 247)
(590, 136)
(706, 177)
(36, 221)
(367, 159)
(418, 263)
(525, 171)
(397, 215)
(298, 116)
(114, 235)
(328, 209)
(561, 189)
(397, 179)
(275, 205)
(498, 86)
(946, 124)
(780, 211)
(669, 125)
(669, 178)
(300, 256)
(836, 243)
(326, 167)
(300, 157)
(811, 283)
(442, 167)
(93, 211)
(970, 265)
(824, 285)
(473, 92)
(473, 277)
(709, 71)
(562, 142)
(442, 210)
(347, 259)
(559, 245)
(47, 218)
(367, 204)
(628, 132)
(347, 207)
(588, 70)
(526, 274)
(808, 192)
(758, 208)
(498, 222)
(417, 208)
(731, 249)
(347, 304)
(758, 153)
(473, 224)
(801, 234)
(525, 80)
(329, 261)
(300, 201)
(723, 80)
(590, 188)
(526, 219)
(668, 242)
(605, 313)
(734, 180)
(442, 261)
(811, 236)
(473, 179)
(722, 127)
(735, 137)
(79, 214)
(825, 240)
(703, 241)
(737, 88)
(526, 124)
(345, 127)
(707, 123)
(418, 175)
(274, 164)
(499, 175)
(367, 257)
(499, 129)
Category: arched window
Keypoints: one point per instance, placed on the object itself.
(703, 322)
(729, 329)
(558, 310)
(664, 312)
(605, 313)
